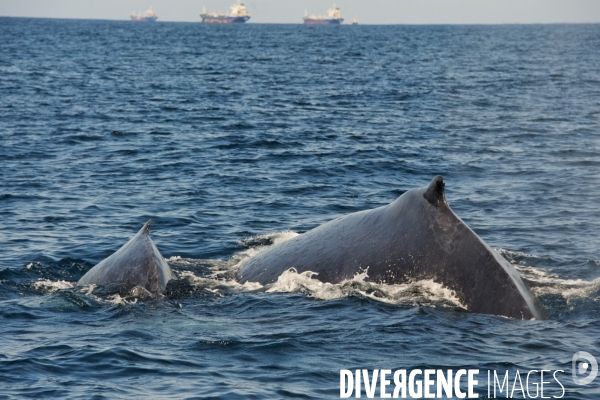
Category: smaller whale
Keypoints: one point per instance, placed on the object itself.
(137, 263)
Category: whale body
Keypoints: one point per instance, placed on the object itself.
(137, 263)
(415, 237)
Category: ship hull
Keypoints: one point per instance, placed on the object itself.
(223, 20)
(144, 19)
(308, 21)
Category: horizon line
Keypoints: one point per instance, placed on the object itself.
(300, 23)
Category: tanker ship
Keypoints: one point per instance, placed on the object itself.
(148, 16)
(333, 17)
(238, 15)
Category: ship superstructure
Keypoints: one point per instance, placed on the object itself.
(333, 17)
(148, 16)
(237, 15)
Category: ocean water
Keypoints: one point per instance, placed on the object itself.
(233, 138)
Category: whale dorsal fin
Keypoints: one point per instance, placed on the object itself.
(146, 228)
(435, 191)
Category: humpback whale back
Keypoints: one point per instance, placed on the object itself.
(138, 262)
(415, 237)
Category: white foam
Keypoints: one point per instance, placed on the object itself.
(117, 300)
(52, 286)
(215, 285)
(291, 281)
(417, 292)
(88, 289)
(413, 293)
(545, 282)
(223, 273)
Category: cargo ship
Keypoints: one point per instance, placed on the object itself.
(333, 17)
(238, 15)
(148, 16)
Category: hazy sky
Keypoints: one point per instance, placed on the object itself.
(291, 11)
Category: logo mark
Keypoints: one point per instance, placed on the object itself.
(582, 367)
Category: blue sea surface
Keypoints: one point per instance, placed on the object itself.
(233, 138)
